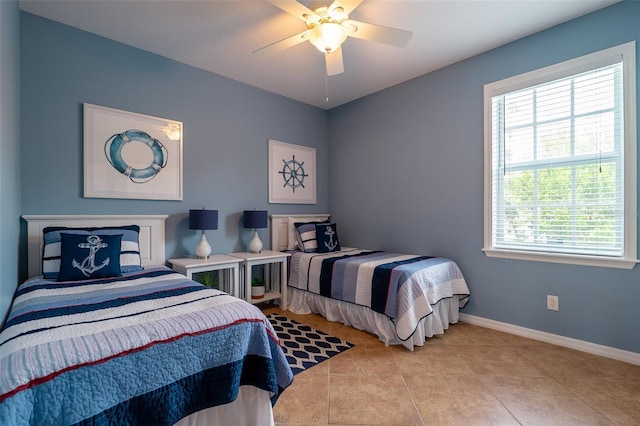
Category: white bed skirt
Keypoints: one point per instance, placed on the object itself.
(445, 312)
(251, 407)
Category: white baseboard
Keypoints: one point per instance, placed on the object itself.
(567, 342)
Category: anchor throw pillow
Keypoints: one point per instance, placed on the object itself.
(130, 260)
(327, 237)
(91, 256)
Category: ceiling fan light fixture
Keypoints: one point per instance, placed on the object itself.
(328, 37)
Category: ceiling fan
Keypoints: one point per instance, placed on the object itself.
(329, 25)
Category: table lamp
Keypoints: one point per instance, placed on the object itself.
(255, 219)
(203, 220)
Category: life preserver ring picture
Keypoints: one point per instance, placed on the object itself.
(145, 164)
(130, 155)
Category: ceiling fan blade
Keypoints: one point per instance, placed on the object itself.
(379, 33)
(346, 5)
(334, 62)
(296, 9)
(284, 43)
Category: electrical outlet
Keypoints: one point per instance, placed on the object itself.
(552, 302)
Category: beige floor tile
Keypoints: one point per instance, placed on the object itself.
(432, 360)
(613, 368)
(365, 359)
(498, 360)
(302, 424)
(456, 400)
(557, 361)
(468, 376)
(514, 340)
(373, 400)
(615, 397)
(305, 401)
(542, 401)
(468, 334)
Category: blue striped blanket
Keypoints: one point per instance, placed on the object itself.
(149, 347)
(401, 286)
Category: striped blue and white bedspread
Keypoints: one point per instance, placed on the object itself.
(402, 287)
(150, 347)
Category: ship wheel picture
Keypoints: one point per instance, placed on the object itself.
(291, 173)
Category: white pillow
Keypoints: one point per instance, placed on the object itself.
(292, 242)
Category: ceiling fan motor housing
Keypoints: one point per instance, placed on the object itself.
(327, 33)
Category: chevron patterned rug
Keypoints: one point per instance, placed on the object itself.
(304, 346)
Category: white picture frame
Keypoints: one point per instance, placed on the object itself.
(130, 155)
(292, 173)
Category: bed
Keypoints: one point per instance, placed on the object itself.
(140, 344)
(401, 298)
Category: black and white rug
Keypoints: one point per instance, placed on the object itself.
(303, 345)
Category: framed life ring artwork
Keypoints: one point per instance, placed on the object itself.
(130, 155)
(292, 173)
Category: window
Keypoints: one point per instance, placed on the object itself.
(560, 162)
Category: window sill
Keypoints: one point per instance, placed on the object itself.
(597, 261)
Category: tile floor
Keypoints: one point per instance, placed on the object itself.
(468, 376)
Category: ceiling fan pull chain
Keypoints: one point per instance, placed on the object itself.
(326, 86)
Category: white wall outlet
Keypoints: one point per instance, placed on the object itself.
(552, 302)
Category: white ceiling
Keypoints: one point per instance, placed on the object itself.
(220, 36)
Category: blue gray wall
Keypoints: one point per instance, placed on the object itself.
(9, 150)
(406, 174)
(400, 170)
(226, 128)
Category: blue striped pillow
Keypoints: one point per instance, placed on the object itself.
(306, 236)
(130, 260)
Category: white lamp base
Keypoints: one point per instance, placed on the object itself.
(203, 249)
(255, 246)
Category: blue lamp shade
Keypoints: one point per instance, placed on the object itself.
(255, 219)
(203, 219)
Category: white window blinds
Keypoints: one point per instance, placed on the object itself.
(557, 164)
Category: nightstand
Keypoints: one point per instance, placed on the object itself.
(219, 262)
(276, 279)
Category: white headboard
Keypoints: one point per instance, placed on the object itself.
(151, 234)
(280, 229)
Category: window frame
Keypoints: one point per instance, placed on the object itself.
(545, 75)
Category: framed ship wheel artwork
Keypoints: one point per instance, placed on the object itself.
(292, 173)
